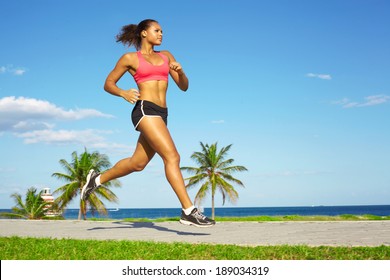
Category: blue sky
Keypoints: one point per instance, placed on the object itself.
(300, 88)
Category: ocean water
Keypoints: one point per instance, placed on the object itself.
(152, 213)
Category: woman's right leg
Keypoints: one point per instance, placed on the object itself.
(142, 156)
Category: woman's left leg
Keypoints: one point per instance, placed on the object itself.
(156, 133)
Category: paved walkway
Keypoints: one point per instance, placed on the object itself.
(354, 233)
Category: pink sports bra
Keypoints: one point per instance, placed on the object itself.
(149, 72)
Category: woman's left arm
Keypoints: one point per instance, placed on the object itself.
(177, 72)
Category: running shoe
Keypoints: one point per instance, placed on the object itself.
(196, 218)
(90, 185)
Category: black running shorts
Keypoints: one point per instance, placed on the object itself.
(144, 108)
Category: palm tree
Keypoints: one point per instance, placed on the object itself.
(34, 207)
(75, 175)
(214, 173)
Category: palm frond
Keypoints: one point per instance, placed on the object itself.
(33, 207)
(195, 180)
(191, 170)
(230, 178)
(237, 168)
(202, 193)
(228, 191)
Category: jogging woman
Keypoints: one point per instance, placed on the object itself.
(150, 69)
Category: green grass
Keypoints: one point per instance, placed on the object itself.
(16, 248)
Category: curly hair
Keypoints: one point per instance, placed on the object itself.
(131, 34)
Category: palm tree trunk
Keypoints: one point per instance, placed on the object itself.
(212, 207)
(82, 211)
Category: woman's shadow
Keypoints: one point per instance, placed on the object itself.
(149, 225)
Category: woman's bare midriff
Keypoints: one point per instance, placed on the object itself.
(154, 91)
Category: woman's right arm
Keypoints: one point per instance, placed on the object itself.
(124, 64)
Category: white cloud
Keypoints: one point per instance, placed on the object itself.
(112, 148)
(218, 121)
(7, 169)
(371, 100)
(30, 113)
(17, 71)
(90, 138)
(62, 136)
(34, 120)
(31, 125)
(319, 76)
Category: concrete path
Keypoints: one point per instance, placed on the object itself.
(354, 233)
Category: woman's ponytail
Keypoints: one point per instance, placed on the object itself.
(130, 35)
